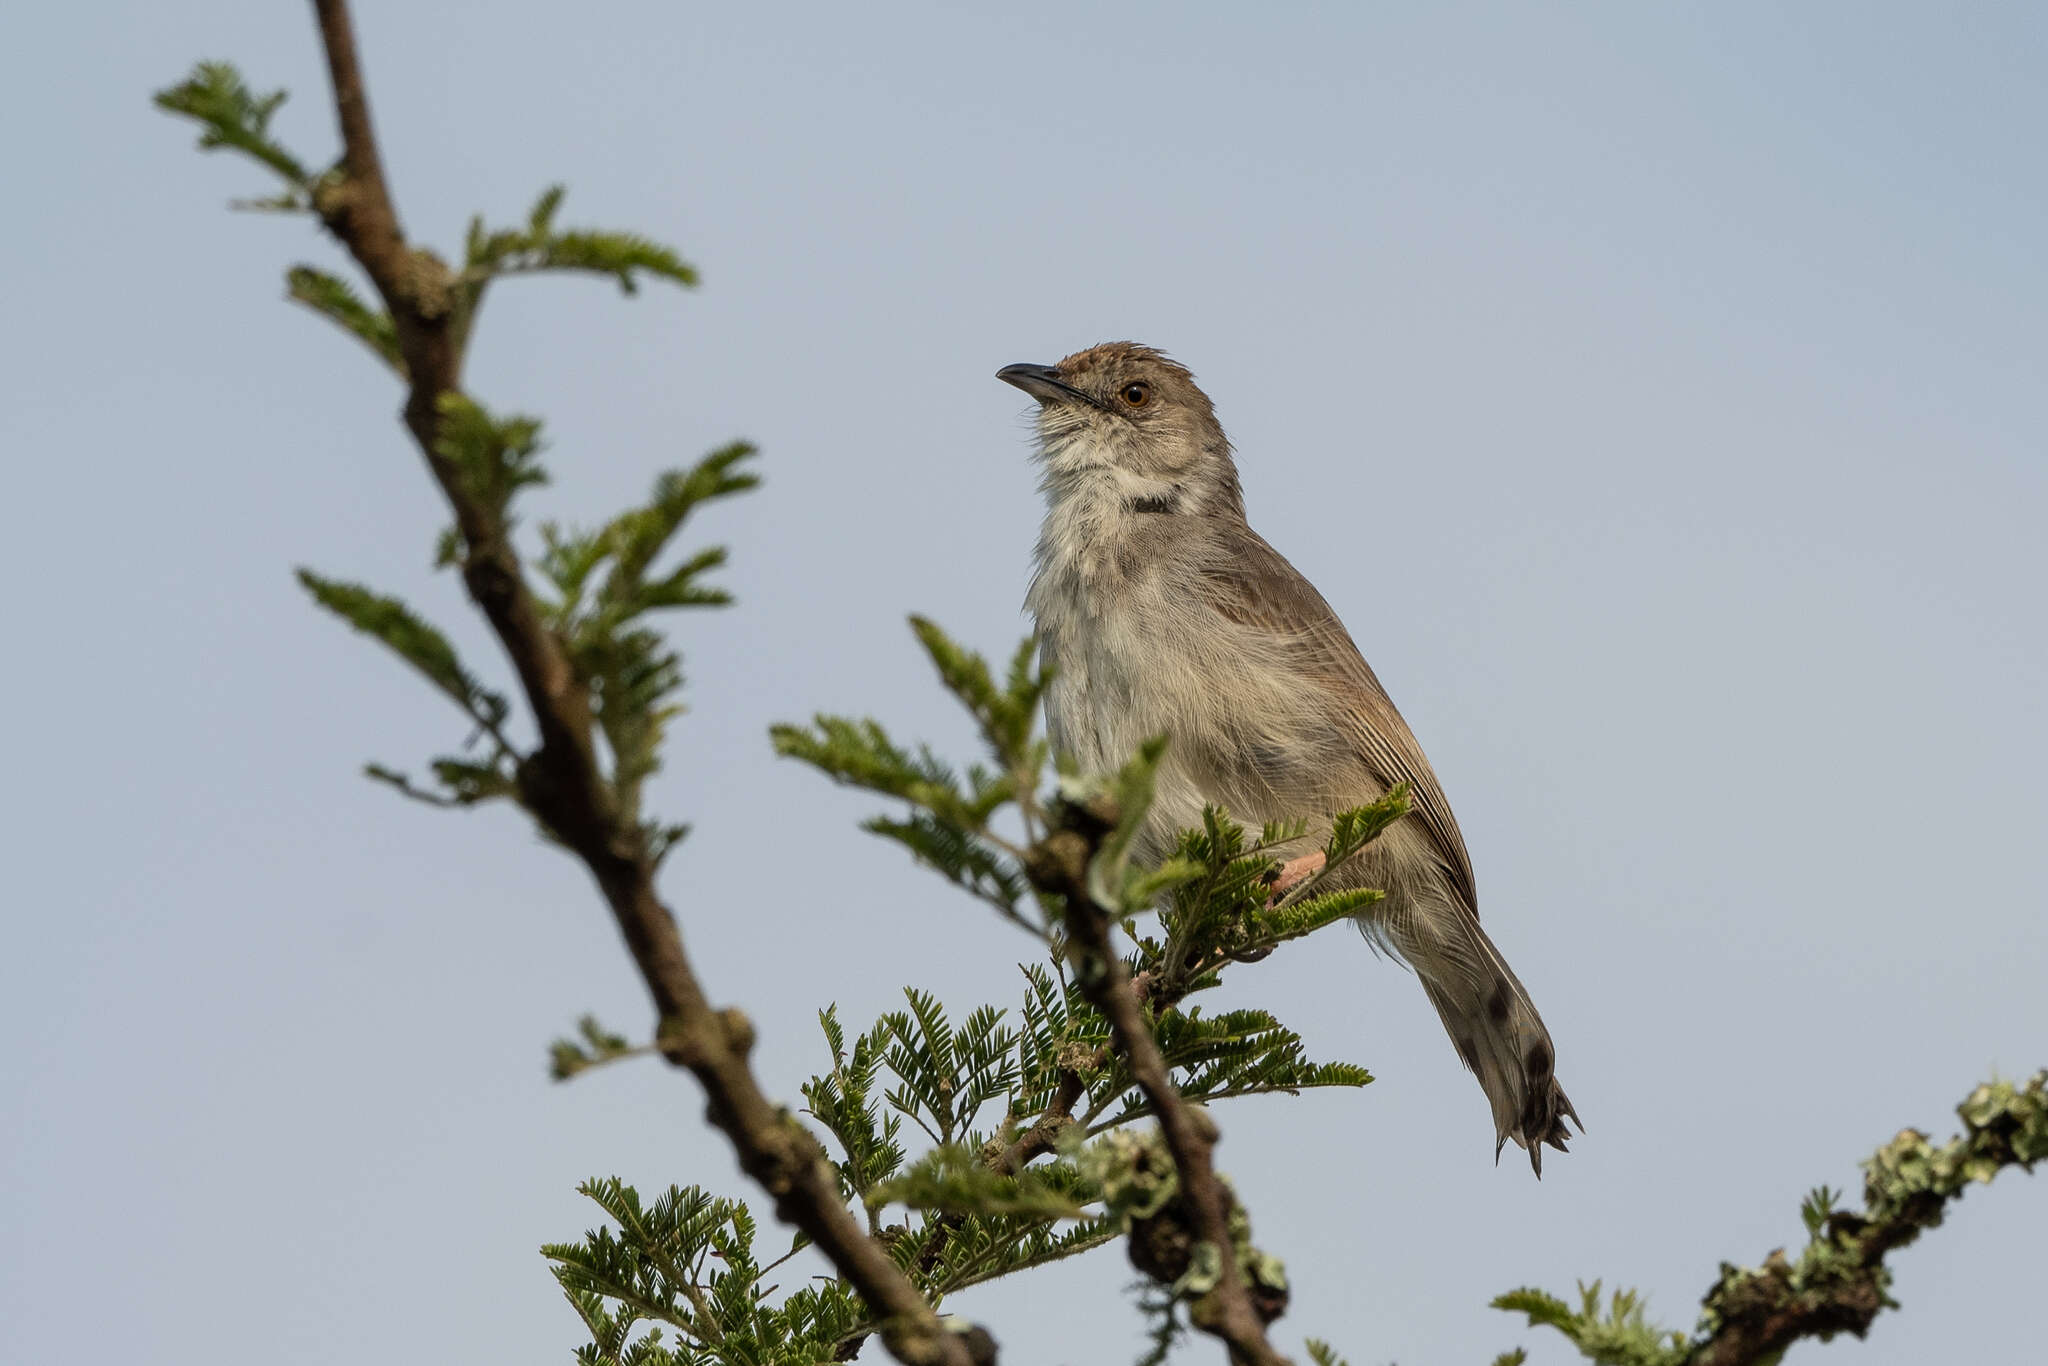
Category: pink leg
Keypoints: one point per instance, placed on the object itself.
(1295, 871)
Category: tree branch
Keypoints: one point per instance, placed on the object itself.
(1044, 1134)
(1035, 1142)
(374, 235)
(1840, 1282)
(1059, 864)
(561, 782)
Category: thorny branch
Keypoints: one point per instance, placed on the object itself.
(561, 781)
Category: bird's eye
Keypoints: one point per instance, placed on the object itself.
(1137, 395)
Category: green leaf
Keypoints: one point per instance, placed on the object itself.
(1231, 1054)
(921, 1055)
(1145, 887)
(634, 539)
(233, 116)
(1110, 879)
(842, 1100)
(1544, 1309)
(1322, 1354)
(541, 219)
(1815, 1209)
(981, 1248)
(594, 1046)
(950, 1179)
(469, 782)
(1622, 1336)
(687, 1263)
(538, 246)
(861, 754)
(1276, 926)
(1060, 1032)
(493, 457)
(464, 782)
(409, 637)
(1007, 715)
(603, 587)
(1351, 831)
(956, 855)
(335, 299)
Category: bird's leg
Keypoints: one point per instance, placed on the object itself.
(1286, 877)
(1292, 874)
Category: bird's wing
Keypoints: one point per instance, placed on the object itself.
(1251, 584)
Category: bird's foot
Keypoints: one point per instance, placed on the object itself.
(1292, 874)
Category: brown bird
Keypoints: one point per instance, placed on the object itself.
(1162, 611)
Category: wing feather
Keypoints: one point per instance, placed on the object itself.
(1251, 584)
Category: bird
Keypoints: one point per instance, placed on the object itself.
(1160, 611)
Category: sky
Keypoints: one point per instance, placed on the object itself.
(1654, 390)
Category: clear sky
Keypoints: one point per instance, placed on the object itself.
(1657, 392)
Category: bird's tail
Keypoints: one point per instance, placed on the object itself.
(1493, 1023)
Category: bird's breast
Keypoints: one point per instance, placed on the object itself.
(1135, 654)
(1138, 649)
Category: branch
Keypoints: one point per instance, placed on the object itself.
(1059, 864)
(1044, 1134)
(1840, 1282)
(360, 198)
(561, 782)
(1035, 1142)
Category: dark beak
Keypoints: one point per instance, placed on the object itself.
(1043, 383)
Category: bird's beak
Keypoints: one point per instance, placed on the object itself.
(1043, 383)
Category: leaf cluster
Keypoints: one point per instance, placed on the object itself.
(463, 778)
(593, 1046)
(1219, 905)
(1014, 1111)
(967, 1217)
(678, 1283)
(1621, 1335)
(598, 587)
(950, 826)
(1213, 895)
(232, 116)
(983, 1146)
(538, 245)
(1323, 1354)
(601, 588)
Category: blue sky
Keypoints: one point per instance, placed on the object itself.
(1655, 391)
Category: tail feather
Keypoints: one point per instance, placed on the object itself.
(1493, 1024)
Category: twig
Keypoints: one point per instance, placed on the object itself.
(1044, 1133)
(561, 782)
(1032, 1144)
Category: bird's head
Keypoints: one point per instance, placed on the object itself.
(1129, 413)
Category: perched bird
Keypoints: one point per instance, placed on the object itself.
(1162, 611)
